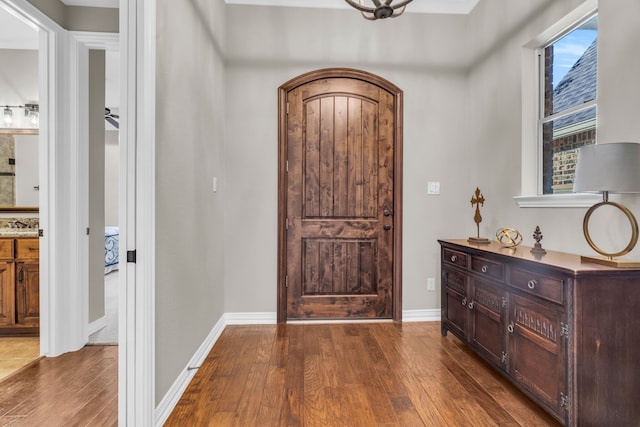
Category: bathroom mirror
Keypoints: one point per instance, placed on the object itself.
(19, 181)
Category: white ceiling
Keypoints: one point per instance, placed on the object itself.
(417, 6)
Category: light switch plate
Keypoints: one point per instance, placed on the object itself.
(433, 187)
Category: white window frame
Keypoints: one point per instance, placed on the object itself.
(532, 104)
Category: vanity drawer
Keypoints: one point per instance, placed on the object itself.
(6, 248)
(455, 257)
(492, 269)
(27, 248)
(550, 288)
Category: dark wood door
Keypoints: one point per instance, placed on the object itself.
(340, 210)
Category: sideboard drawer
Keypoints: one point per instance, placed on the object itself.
(549, 288)
(492, 269)
(455, 280)
(455, 257)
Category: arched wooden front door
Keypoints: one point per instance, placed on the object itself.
(340, 145)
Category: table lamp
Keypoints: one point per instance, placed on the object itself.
(609, 168)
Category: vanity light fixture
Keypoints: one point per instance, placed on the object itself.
(381, 9)
(609, 168)
(31, 111)
(7, 117)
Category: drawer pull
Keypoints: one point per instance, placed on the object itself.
(454, 258)
(485, 268)
(464, 301)
(471, 304)
(510, 328)
(532, 284)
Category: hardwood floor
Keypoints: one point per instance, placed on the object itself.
(75, 389)
(368, 374)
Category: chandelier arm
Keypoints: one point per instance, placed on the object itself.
(376, 2)
(396, 13)
(401, 4)
(369, 17)
(359, 7)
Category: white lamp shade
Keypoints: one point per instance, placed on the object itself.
(613, 167)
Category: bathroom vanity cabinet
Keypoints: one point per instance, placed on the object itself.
(19, 286)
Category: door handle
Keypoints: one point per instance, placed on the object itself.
(387, 227)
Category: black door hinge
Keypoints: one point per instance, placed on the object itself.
(131, 256)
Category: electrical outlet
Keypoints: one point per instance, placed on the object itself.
(431, 284)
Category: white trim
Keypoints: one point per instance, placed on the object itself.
(97, 325)
(258, 318)
(175, 392)
(136, 391)
(426, 315)
(573, 200)
(531, 153)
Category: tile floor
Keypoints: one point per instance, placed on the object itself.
(16, 353)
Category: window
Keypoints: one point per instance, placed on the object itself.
(567, 111)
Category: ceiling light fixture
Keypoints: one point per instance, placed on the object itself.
(382, 8)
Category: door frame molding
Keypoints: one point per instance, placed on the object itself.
(397, 177)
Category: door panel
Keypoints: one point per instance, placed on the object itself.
(339, 182)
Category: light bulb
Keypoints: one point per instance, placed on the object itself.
(7, 116)
(33, 118)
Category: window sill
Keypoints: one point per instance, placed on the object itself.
(578, 200)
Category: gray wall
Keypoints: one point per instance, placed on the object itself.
(79, 18)
(496, 92)
(96, 184)
(190, 124)
(462, 78)
(111, 177)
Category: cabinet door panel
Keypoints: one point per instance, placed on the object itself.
(454, 302)
(537, 351)
(487, 330)
(28, 293)
(7, 294)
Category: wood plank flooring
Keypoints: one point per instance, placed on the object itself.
(368, 374)
(74, 389)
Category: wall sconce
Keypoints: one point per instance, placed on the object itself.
(609, 168)
(31, 111)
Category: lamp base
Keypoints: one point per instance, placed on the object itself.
(479, 240)
(611, 262)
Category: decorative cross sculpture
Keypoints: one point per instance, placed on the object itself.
(478, 200)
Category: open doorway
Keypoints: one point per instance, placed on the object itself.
(104, 168)
(19, 194)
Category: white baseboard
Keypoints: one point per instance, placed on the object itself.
(432, 315)
(97, 325)
(170, 400)
(259, 318)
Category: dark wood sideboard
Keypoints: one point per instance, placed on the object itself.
(566, 333)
